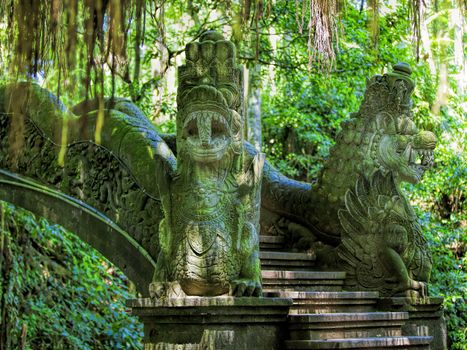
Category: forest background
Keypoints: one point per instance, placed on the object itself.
(306, 63)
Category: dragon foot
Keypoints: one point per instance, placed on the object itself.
(413, 289)
(245, 288)
(421, 288)
(163, 290)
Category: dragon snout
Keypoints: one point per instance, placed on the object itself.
(421, 151)
(425, 140)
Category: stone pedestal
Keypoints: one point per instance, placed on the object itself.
(212, 323)
(425, 317)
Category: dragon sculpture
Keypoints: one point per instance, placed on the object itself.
(191, 201)
(209, 237)
(196, 214)
(379, 146)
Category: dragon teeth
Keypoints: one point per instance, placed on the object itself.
(407, 153)
(413, 156)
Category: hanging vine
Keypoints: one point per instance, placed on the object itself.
(72, 36)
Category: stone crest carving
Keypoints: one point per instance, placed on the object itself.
(382, 246)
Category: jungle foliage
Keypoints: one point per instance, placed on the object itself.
(307, 60)
(57, 292)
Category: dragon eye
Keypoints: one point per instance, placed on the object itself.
(217, 128)
(192, 128)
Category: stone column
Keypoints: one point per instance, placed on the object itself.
(425, 317)
(212, 323)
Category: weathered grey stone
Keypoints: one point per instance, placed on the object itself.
(121, 166)
(271, 242)
(383, 247)
(346, 325)
(115, 176)
(127, 171)
(213, 323)
(90, 225)
(274, 280)
(357, 204)
(287, 261)
(425, 317)
(209, 237)
(329, 302)
(412, 343)
(130, 186)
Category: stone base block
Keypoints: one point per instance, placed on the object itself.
(212, 323)
(346, 325)
(425, 317)
(400, 343)
(329, 302)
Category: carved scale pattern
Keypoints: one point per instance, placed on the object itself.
(92, 174)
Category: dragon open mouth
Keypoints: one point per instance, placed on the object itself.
(207, 135)
(418, 160)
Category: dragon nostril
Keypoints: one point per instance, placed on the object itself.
(425, 140)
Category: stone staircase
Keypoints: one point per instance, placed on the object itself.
(271, 260)
(323, 316)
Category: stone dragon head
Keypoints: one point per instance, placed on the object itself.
(210, 101)
(397, 145)
(380, 137)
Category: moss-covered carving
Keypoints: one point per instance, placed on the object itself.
(209, 197)
(379, 239)
(382, 246)
(116, 177)
(192, 200)
(209, 237)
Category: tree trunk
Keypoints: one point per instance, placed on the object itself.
(426, 43)
(459, 61)
(253, 110)
(159, 66)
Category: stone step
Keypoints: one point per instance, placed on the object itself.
(274, 281)
(271, 260)
(271, 242)
(425, 317)
(329, 302)
(169, 346)
(412, 343)
(346, 325)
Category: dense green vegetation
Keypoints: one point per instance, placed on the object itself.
(57, 292)
(304, 93)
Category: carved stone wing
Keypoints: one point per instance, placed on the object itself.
(358, 249)
(382, 245)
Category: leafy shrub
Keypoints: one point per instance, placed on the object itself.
(448, 243)
(57, 292)
(442, 197)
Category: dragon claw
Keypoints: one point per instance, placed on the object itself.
(157, 290)
(245, 288)
(160, 290)
(423, 289)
